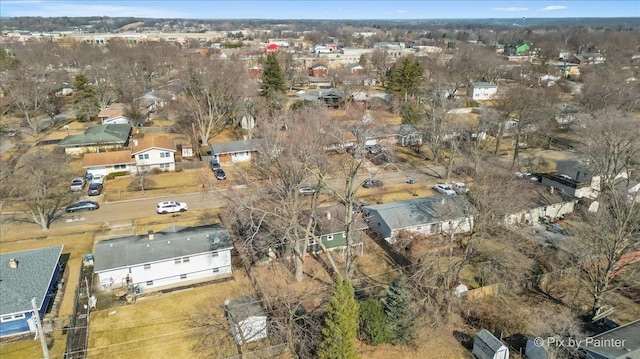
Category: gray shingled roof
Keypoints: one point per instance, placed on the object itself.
(491, 343)
(233, 146)
(31, 279)
(245, 307)
(628, 335)
(173, 242)
(418, 211)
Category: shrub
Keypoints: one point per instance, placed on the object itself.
(113, 175)
(373, 324)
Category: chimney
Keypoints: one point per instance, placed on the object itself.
(135, 142)
(328, 215)
(13, 263)
(551, 189)
(150, 234)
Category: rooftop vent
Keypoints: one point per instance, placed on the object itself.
(150, 234)
(13, 263)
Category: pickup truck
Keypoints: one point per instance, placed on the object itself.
(77, 184)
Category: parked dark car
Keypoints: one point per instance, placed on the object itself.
(372, 183)
(220, 174)
(95, 189)
(82, 206)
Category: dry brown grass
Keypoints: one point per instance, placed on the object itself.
(157, 326)
(187, 219)
(166, 184)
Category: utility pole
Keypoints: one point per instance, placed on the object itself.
(43, 341)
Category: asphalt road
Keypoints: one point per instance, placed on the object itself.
(122, 211)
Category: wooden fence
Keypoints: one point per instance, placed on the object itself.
(152, 130)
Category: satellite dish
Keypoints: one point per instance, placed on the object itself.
(216, 240)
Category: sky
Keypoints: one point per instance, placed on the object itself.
(319, 9)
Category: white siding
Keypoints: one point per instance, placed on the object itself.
(241, 156)
(149, 159)
(172, 271)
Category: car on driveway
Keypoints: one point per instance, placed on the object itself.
(95, 189)
(220, 174)
(82, 206)
(77, 184)
(215, 165)
(444, 189)
(372, 183)
(171, 207)
(98, 179)
(307, 190)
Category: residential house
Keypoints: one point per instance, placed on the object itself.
(318, 70)
(487, 346)
(234, 151)
(619, 343)
(154, 152)
(117, 120)
(566, 115)
(332, 97)
(111, 112)
(26, 275)
(98, 138)
(63, 89)
(565, 69)
(356, 69)
(172, 257)
(247, 319)
(481, 91)
(536, 201)
(271, 48)
(255, 72)
(574, 177)
(329, 228)
(104, 163)
(432, 215)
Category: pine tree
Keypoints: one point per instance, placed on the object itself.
(399, 313)
(405, 77)
(85, 98)
(272, 77)
(374, 327)
(340, 323)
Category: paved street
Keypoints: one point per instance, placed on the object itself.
(145, 207)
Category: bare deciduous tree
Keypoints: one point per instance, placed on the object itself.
(41, 181)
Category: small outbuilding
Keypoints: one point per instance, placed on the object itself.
(487, 346)
(247, 319)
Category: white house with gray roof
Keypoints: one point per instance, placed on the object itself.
(234, 151)
(426, 215)
(172, 257)
(26, 275)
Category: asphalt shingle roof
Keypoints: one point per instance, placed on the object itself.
(418, 211)
(107, 158)
(628, 337)
(31, 279)
(170, 243)
(99, 134)
(233, 146)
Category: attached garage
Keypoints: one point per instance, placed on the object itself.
(234, 151)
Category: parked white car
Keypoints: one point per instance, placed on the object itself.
(98, 179)
(444, 189)
(171, 207)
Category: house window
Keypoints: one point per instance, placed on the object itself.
(147, 266)
(165, 166)
(214, 254)
(11, 318)
(178, 261)
(216, 270)
(183, 276)
(165, 155)
(119, 167)
(185, 259)
(149, 283)
(418, 228)
(330, 237)
(144, 156)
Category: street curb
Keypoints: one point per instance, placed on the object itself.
(165, 196)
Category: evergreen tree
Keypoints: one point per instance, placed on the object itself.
(405, 77)
(272, 77)
(374, 327)
(85, 98)
(399, 313)
(340, 323)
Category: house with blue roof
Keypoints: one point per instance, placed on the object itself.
(173, 257)
(26, 275)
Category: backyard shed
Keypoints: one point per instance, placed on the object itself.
(247, 319)
(487, 346)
